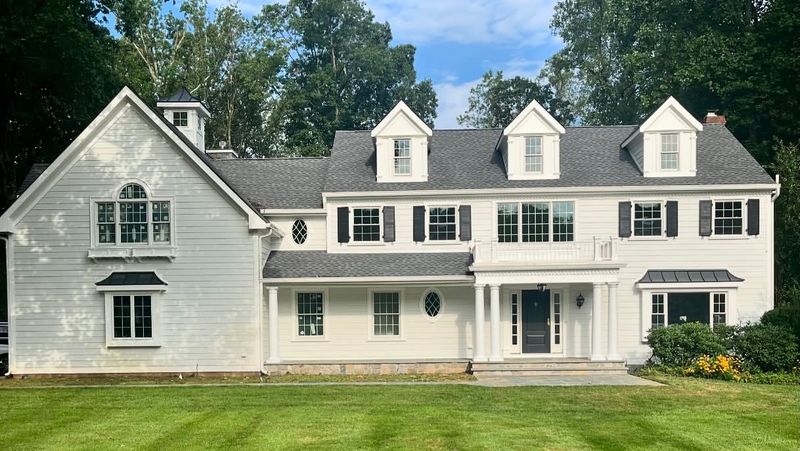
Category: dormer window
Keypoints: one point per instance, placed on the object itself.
(402, 156)
(534, 160)
(670, 151)
(180, 118)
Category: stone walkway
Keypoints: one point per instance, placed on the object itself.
(589, 379)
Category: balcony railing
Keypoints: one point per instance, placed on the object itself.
(597, 250)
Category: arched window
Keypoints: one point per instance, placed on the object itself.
(139, 221)
(299, 231)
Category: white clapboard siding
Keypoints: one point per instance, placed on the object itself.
(208, 311)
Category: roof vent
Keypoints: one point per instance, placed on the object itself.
(713, 118)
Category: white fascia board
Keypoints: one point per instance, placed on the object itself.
(534, 107)
(52, 174)
(148, 288)
(372, 281)
(293, 211)
(401, 107)
(552, 190)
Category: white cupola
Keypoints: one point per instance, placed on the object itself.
(401, 146)
(665, 145)
(188, 114)
(531, 145)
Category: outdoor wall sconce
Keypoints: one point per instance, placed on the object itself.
(580, 300)
(542, 286)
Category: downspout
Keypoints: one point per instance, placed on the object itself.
(9, 294)
(260, 296)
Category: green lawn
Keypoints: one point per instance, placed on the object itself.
(688, 413)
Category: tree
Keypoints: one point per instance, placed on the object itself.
(56, 74)
(787, 222)
(229, 61)
(495, 101)
(342, 73)
(739, 57)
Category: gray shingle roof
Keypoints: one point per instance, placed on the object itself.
(131, 278)
(277, 183)
(689, 276)
(33, 174)
(294, 264)
(590, 156)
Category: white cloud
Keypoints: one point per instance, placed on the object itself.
(516, 22)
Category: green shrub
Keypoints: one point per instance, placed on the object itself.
(679, 345)
(767, 347)
(787, 316)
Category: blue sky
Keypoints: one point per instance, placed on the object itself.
(458, 40)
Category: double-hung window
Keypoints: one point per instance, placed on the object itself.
(386, 314)
(728, 217)
(541, 222)
(442, 223)
(669, 151)
(534, 160)
(366, 224)
(310, 314)
(647, 219)
(402, 156)
(133, 219)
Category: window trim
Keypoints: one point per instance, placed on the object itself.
(425, 293)
(738, 236)
(646, 306)
(409, 158)
(118, 244)
(296, 337)
(661, 152)
(155, 312)
(352, 214)
(525, 154)
(428, 239)
(663, 235)
(519, 241)
(371, 309)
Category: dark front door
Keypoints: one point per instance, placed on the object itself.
(535, 321)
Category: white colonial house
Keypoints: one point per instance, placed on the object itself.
(408, 249)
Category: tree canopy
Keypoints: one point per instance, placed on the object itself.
(496, 101)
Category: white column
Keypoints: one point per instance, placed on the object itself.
(494, 318)
(612, 321)
(479, 351)
(274, 353)
(597, 321)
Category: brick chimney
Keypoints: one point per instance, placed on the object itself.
(713, 118)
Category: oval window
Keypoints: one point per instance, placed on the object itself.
(432, 304)
(299, 231)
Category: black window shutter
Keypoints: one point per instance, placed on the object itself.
(705, 217)
(624, 219)
(419, 224)
(753, 217)
(343, 224)
(465, 222)
(388, 224)
(672, 218)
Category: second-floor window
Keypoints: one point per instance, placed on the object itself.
(728, 217)
(533, 154)
(647, 219)
(366, 224)
(402, 156)
(442, 223)
(541, 222)
(180, 118)
(669, 151)
(132, 218)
